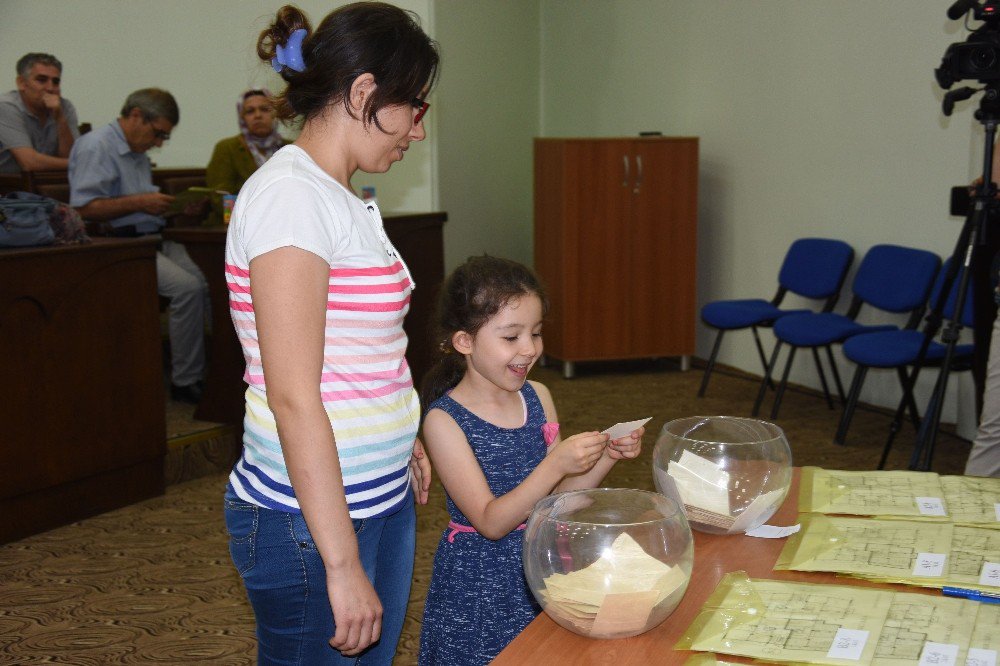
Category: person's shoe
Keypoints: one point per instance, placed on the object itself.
(190, 394)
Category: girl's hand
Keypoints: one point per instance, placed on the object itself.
(626, 447)
(420, 467)
(580, 452)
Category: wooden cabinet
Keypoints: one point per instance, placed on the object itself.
(615, 243)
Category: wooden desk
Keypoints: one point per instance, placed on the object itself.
(83, 424)
(545, 642)
(418, 237)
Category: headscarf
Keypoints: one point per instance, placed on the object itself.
(261, 147)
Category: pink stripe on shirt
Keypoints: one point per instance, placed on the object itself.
(366, 272)
(378, 392)
(235, 270)
(362, 376)
(389, 306)
(383, 288)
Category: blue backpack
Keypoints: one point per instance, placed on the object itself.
(24, 220)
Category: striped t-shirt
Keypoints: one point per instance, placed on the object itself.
(366, 385)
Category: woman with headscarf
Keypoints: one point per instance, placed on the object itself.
(235, 158)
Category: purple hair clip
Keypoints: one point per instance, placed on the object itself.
(290, 55)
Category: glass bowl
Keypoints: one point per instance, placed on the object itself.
(608, 562)
(730, 473)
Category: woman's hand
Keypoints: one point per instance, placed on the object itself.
(420, 467)
(627, 447)
(979, 181)
(579, 453)
(357, 611)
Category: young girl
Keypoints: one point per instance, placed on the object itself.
(319, 507)
(493, 437)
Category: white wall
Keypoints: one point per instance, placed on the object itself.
(487, 110)
(202, 52)
(816, 119)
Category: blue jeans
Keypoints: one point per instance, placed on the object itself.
(286, 581)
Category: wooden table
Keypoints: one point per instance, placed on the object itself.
(83, 425)
(545, 642)
(418, 237)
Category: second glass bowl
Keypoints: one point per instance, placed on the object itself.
(730, 473)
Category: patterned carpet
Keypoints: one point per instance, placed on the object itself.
(152, 583)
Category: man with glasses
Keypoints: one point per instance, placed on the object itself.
(37, 126)
(111, 180)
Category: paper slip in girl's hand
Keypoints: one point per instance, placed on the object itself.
(620, 430)
(625, 439)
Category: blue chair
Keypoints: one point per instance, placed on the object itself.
(813, 268)
(901, 350)
(891, 278)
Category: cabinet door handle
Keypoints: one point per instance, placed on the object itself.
(638, 173)
(626, 172)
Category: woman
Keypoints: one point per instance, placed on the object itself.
(236, 158)
(318, 507)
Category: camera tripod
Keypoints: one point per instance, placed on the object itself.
(971, 237)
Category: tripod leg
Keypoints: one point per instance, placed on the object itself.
(822, 378)
(783, 384)
(852, 402)
(923, 451)
(969, 238)
(767, 378)
(711, 364)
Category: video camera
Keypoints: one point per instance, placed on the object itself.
(978, 57)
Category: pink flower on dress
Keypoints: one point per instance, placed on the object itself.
(549, 433)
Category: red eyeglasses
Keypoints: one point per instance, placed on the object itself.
(421, 106)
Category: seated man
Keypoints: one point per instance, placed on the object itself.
(37, 126)
(111, 180)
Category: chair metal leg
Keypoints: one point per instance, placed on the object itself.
(852, 403)
(783, 384)
(836, 374)
(760, 352)
(911, 404)
(822, 378)
(767, 378)
(908, 382)
(711, 364)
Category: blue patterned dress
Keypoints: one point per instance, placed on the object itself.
(478, 599)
